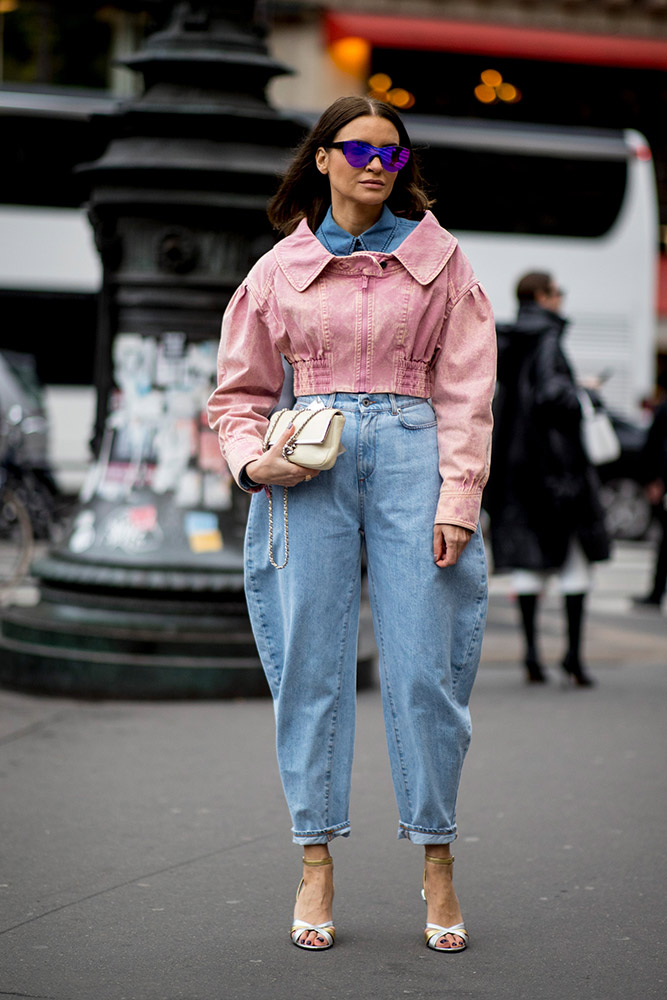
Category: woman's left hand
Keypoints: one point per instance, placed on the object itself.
(449, 541)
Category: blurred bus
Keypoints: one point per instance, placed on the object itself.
(50, 271)
(579, 203)
(49, 268)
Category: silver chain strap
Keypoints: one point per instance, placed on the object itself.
(269, 490)
(288, 450)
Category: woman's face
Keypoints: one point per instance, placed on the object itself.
(370, 185)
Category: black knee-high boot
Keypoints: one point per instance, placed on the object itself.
(574, 607)
(657, 592)
(528, 608)
(660, 577)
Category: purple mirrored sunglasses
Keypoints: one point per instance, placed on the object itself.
(359, 154)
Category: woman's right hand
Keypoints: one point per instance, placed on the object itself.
(271, 469)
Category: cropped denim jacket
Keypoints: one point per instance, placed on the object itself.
(412, 322)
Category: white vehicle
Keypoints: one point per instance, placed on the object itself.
(50, 271)
(578, 203)
(47, 244)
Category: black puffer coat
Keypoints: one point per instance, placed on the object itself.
(654, 453)
(542, 490)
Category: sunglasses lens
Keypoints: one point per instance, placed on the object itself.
(358, 154)
(394, 157)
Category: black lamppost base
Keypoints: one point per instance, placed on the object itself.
(92, 643)
(139, 614)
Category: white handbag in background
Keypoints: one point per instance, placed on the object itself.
(598, 436)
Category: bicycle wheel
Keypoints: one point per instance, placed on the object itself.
(16, 540)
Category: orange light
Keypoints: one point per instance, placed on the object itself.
(351, 54)
(486, 95)
(491, 78)
(643, 153)
(379, 81)
(399, 97)
(379, 95)
(410, 102)
(506, 92)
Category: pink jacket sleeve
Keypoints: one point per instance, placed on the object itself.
(250, 379)
(463, 387)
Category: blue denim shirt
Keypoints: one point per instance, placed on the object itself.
(384, 237)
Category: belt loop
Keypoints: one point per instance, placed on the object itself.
(394, 404)
(331, 399)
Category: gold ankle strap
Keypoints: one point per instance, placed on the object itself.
(439, 861)
(317, 864)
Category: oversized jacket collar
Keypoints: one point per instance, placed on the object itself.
(423, 253)
(533, 321)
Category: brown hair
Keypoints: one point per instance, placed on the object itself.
(531, 284)
(304, 192)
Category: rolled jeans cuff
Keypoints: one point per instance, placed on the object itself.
(419, 835)
(307, 837)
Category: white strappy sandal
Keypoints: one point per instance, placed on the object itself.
(433, 932)
(325, 931)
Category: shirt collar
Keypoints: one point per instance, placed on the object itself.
(423, 253)
(341, 243)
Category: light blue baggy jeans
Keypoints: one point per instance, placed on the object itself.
(382, 493)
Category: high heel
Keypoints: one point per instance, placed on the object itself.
(575, 673)
(534, 671)
(528, 608)
(325, 931)
(574, 607)
(433, 932)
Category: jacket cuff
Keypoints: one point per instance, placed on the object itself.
(248, 484)
(237, 459)
(459, 508)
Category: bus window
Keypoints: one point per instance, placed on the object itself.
(544, 196)
(578, 203)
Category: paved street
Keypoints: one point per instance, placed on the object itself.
(146, 855)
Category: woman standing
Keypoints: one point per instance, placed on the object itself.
(542, 497)
(379, 314)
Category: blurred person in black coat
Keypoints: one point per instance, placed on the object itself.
(655, 476)
(542, 496)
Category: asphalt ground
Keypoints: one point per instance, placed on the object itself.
(145, 849)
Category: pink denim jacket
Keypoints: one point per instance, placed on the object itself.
(414, 322)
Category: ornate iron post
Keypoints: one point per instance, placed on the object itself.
(144, 598)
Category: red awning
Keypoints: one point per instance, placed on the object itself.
(478, 38)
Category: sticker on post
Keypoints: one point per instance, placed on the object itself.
(203, 531)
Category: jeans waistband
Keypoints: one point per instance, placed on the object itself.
(364, 400)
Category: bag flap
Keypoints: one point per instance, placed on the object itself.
(315, 424)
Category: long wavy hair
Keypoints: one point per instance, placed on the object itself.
(305, 193)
